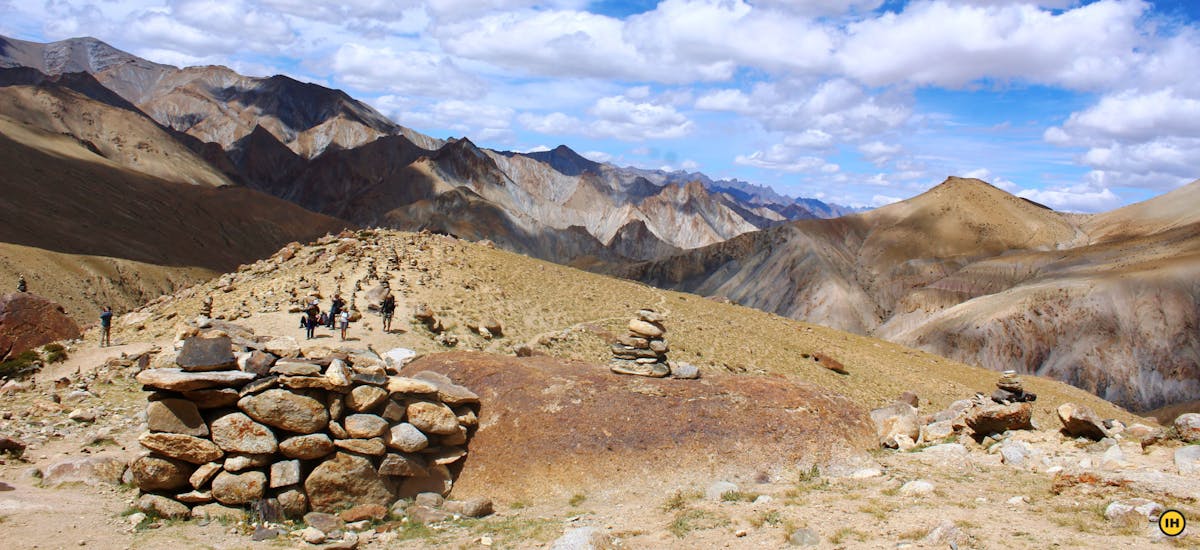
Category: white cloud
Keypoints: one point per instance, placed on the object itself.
(786, 159)
(478, 121)
(883, 200)
(623, 118)
(553, 123)
(986, 175)
(954, 44)
(1081, 198)
(878, 152)
(598, 156)
(1131, 115)
(410, 72)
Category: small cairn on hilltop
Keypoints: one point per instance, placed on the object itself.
(643, 350)
(245, 420)
(1009, 390)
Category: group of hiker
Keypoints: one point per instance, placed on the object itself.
(340, 316)
(337, 315)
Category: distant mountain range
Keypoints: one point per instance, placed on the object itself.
(107, 155)
(331, 154)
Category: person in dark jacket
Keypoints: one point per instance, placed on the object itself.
(335, 308)
(105, 326)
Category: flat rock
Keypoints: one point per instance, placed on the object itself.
(295, 368)
(326, 523)
(448, 392)
(365, 398)
(413, 386)
(306, 447)
(937, 431)
(161, 506)
(206, 354)
(648, 330)
(286, 410)
(364, 512)
(432, 418)
(366, 426)
(238, 433)
(398, 357)
(91, 470)
(683, 371)
(153, 473)
(370, 447)
(424, 514)
(447, 455)
(1015, 454)
(179, 416)
(195, 497)
(403, 464)
(173, 379)
(182, 447)
(346, 480)
(218, 511)
(234, 489)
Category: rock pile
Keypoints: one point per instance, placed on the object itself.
(643, 350)
(1009, 390)
(268, 427)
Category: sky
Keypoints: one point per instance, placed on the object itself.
(1080, 105)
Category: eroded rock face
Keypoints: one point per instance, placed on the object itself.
(346, 480)
(28, 321)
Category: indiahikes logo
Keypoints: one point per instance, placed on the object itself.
(1172, 523)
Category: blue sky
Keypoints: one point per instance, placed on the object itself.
(1081, 105)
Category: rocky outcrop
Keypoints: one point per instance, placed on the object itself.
(323, 433)
(28, 321)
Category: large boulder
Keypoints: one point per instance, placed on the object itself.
(1080, 421)
(28, 321)
(286, 410)
(244, 488)
(986, 420)
(897, 419)
(205, 354)
(346, 480)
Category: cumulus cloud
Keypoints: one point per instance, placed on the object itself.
(954, 44)
(479, 121)
(619, 117)
(784, 158)
(878, 152)
(1079, 198)
(598, 156)
(409, 72)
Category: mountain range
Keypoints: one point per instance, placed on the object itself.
(188, 172)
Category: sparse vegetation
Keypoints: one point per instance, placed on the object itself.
(738, 496)
(680, 499)
(846, 533)
(577, 499)
(55, 352)
(19, 364)
(772, 517)
(513, 528)
(693, 519)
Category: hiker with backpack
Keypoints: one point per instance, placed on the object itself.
(386, 309)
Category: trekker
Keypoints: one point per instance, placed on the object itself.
(105, 326)
(335, 308)
(310, 319)
(344, 321)
(386, 309)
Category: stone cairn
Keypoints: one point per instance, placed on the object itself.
(268, 427)
(1009, 390)
(643, 350)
